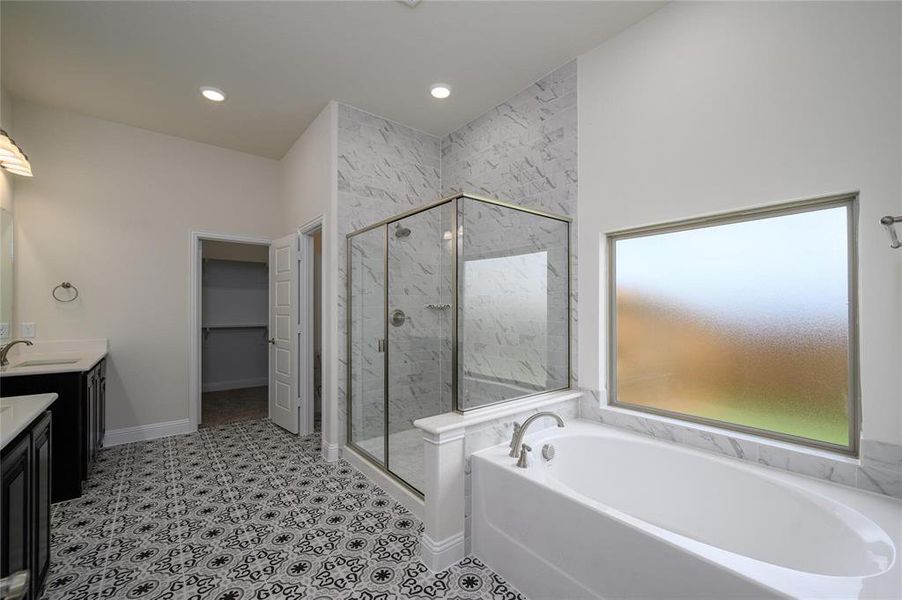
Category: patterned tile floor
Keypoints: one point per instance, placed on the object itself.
(243, 511)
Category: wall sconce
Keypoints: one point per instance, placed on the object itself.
(11, 156)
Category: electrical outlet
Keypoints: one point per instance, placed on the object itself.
(4, 330)
(28, 330)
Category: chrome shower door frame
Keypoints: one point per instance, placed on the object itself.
(456, 261)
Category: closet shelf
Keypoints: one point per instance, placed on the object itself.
(236, 326)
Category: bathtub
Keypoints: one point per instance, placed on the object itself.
(619, 515)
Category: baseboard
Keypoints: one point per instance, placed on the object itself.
(331, 452)
(438, 556)
(127, 435)
(396, 490)
(235, 384)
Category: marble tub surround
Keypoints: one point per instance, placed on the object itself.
(449, 440)
(877, 469)
(18, 412)
(86, 354)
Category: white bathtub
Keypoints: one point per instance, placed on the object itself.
(619, 515)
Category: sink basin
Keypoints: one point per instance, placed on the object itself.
(44, 362)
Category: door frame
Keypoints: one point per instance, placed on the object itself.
(195, 347)
(305, 323)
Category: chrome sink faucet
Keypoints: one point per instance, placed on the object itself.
(518, 448)
(5, 350)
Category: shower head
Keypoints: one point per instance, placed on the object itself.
(401, 231)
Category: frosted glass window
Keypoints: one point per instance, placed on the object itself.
(746, 322)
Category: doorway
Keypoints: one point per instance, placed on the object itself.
(310, 328)
(234, 317)
(291, 330)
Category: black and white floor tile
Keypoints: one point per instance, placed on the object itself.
(238, 512)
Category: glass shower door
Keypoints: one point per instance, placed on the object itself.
(420, 301)
(366, 323)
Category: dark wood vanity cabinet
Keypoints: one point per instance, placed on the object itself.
(16, 507)
(94, 385)
(25, 490)
(42, 457)
(79, 413)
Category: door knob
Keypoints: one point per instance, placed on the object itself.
(272, 341)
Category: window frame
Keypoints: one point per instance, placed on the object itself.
(850, 202)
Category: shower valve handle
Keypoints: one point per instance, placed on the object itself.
(398, 317)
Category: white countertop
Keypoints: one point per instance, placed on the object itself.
(73, 357)
(17, 413)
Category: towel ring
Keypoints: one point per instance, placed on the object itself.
(66, 286)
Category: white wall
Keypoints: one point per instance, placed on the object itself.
(6, 123)
(7, 235)
(705, 108)
(110, 209)
(309, 188)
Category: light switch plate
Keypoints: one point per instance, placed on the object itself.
(4, 331)
(28, 330)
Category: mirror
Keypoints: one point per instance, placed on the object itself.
(6, 274)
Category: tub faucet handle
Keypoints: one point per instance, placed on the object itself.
(523, 461)
(513, 453)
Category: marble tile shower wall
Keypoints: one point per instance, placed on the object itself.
(383, 169)
(367, 361)
(419, 277)
(513, 304)
(524, 151)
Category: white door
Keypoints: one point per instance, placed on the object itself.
(283, 316)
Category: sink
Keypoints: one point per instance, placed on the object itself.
(45, 362)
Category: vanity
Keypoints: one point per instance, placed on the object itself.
(26, 460)
(76, 373)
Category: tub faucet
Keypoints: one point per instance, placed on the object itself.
(5, 350)
(520, 431)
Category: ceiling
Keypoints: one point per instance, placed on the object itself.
(141, 63)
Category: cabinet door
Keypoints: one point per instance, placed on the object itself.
(90, 421)
(41, 460)
(15, 509)
(98, 417)
(102, 406)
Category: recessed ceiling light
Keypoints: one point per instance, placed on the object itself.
(440, 90)
(212, 93)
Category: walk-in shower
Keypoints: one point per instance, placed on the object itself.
(452, 307)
